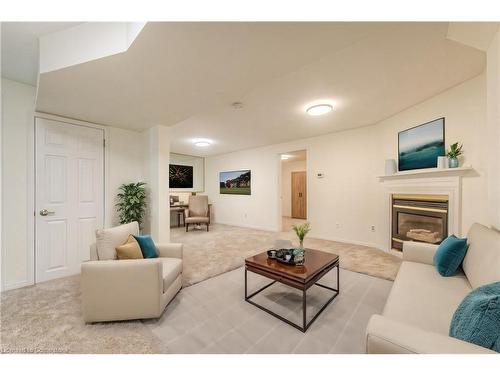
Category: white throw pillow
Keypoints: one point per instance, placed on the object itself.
(107, 240)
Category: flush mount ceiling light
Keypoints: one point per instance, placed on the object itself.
(202, 142)
(285, 157)
(319, 109)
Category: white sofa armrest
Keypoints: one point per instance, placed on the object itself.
(121, 289)
(419, 252)
(169, 250)
(386, 336)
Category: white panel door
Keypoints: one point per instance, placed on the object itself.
(69, 196)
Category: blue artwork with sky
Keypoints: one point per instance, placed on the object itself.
(419, 147)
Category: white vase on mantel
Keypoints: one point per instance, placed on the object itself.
(442, 162)
(390, 167)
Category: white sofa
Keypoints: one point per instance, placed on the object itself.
(421, 304)
(128, 289)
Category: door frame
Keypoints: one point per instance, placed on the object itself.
(32, 178)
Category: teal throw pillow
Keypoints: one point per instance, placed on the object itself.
(147, 245)
(449, 255)
(477, 319)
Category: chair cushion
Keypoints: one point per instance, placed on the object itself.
(449, 255)
(129, 250)
(421, 297)
(477, 319)
(172, 268)
(147, 245)
(482, 261)
(198, 205)
(107, 240)
(196, 219)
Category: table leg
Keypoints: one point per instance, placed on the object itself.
(246, 283)
(338, 278)
(304, 314)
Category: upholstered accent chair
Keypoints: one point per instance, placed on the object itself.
(128, 289)
(198, 211)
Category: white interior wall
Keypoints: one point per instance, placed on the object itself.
(287, 167)
(350, 193)
(198, 164)
(493, 119)
(17, 124)
(156, 161)
(124, 163)
(125, 154)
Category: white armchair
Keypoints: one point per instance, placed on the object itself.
(128, 289)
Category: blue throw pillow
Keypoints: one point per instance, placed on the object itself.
(477, 319)
(450, 254)
(147, 245)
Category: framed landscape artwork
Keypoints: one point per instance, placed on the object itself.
(420, 146)
(180, 176)
(235, 182)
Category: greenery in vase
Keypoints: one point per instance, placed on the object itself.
(301, 231)
(455, 150)
(132, 202)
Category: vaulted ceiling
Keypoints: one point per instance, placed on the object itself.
(186, 75)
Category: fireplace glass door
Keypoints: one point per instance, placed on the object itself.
(419, 220)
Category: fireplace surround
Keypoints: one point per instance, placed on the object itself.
(434, 182)
(419, 217)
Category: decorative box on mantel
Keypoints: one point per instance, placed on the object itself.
(430, 182)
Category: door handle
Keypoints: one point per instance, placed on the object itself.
(300, 195)
(45, 212)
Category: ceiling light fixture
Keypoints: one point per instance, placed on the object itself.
(285, 157)
(202, 143)
(319, 109)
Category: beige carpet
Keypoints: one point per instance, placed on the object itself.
(46, 318)
(225, 248)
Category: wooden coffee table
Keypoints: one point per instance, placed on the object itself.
(317, 264)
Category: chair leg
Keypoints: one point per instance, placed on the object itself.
(187, 226)
(207, 227)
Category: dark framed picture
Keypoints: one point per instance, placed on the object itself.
(180, 176)
(236, 182)
(420, 146)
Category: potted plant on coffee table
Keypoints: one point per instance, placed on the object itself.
(301, 232)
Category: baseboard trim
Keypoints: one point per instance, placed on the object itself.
(17, 285)
(248, 226)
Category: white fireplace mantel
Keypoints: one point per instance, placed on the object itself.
(425, 183)
(429, 172)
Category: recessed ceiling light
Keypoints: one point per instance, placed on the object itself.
(319, 109)
(202, 143)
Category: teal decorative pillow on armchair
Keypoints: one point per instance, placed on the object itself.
(147, 246)
(477, 319)
(450, 254)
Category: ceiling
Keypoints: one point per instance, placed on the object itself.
(186, 75)
(20, 48)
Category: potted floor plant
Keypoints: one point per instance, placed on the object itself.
(453, 153)
(131, 202)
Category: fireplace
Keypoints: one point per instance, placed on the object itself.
(419, 217)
